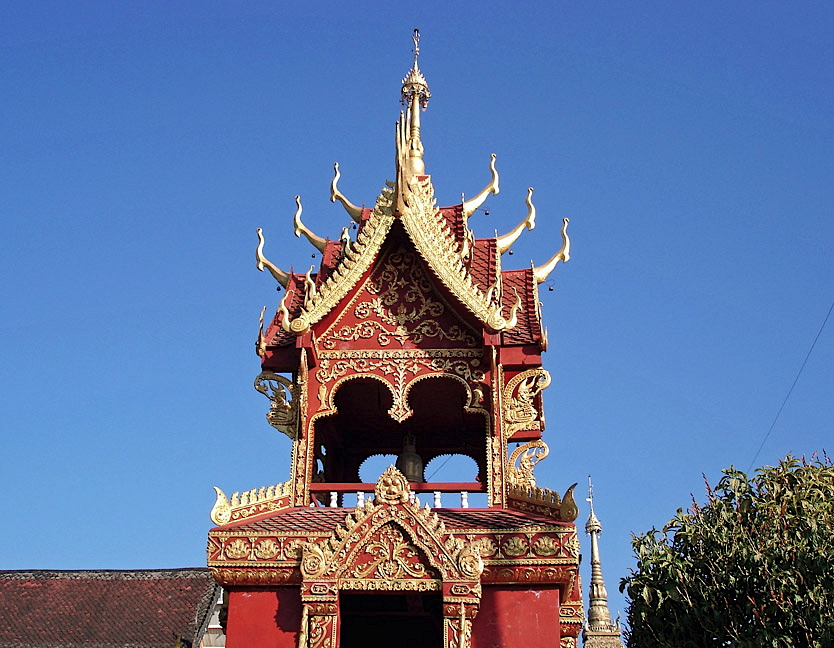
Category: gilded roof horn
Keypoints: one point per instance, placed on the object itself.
(469, 206)
(353, 211)
(300, 228)
(513, 319)
(280, 276)
(505, 242)
(541, 273)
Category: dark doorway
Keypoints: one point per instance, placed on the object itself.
(385, 620)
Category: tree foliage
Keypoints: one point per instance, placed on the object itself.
(754, 566)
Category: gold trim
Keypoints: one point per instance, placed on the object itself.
(300, 228)
(353, 211)
(468, 207)
(283, 413)
(519, 411)
(504, 243)
(527, 456)
(262, 262)
(335, 371)
(250, 503)
(435, 243)
(541, 273)
(355, 261)
(398, 302)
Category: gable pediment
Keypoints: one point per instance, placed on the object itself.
(398, 306)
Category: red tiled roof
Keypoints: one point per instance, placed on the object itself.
(454, 219)
(528, 329)
(104, 609)
(294, 301)
(324, 520)
(482, 266)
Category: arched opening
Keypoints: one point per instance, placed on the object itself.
(362, 428)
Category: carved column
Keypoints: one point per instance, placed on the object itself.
(457, 624)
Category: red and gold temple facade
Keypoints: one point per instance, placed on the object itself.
(409, 340)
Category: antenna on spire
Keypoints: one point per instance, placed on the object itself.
(416, 38)
(590, 498)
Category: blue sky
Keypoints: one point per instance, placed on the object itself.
(690, 144)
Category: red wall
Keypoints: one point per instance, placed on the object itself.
(517, 617)
(264, 618)
(509, 617)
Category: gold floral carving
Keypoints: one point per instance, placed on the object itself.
(558, 574)
(391, 557)
(470, 563)
(250, 503)
(543, 501)
(227, 576)
(520, 412)
(356, 259)
(267, 549)
(293, 550)
(547, 546)
(486, 547)
(392, 544)
(313, 561)
(429, 231)
(398, 367)
(283, 413)
(520, 475)
(238, 549)
(322, 631)
(403, 306)
(458, 630)
(572, 545)
(514, 547)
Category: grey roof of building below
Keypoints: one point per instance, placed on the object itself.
(104, 608)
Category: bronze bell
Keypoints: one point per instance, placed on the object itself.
(409, 463)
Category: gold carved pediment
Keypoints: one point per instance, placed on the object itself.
(391, 544)
(398, 306)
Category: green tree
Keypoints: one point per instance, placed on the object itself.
(752, 567)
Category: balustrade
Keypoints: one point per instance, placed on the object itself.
(335, 495)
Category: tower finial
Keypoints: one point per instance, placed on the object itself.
(416, 38)
(414, 83)
(415, 95)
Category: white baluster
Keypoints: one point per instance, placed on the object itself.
(334, 499)
(464, 499)
(360, 500)
(437, 501)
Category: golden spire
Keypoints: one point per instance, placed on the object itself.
(599, 632)
(415, 95)
(415, 85)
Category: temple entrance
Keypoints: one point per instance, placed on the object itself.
(396, 619)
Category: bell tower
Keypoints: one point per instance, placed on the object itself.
(411, 340)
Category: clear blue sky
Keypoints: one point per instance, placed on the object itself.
(691, 145)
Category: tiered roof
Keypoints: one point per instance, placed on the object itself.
(469, 270)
